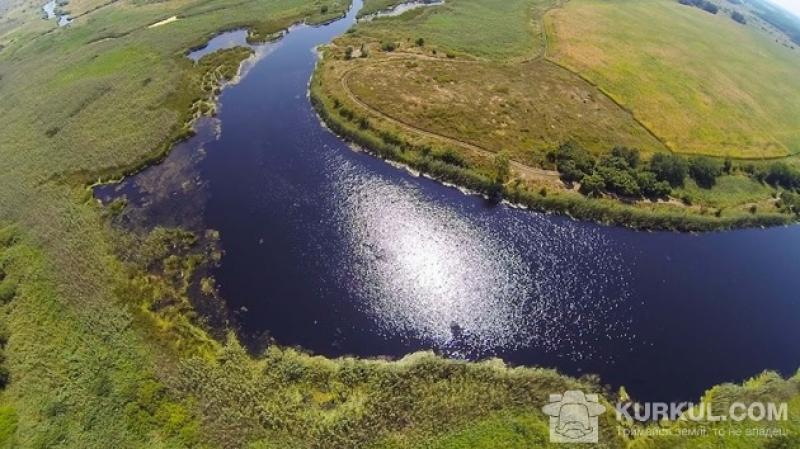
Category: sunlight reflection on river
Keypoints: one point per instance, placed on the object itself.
(428, 271)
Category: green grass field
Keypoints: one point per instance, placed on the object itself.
(493, 29)
(704, 84)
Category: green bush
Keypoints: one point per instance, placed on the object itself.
(572, 161)
(705, 171)
(790, 203)
(651, 187)
(670, 168)
(621, 181)
(502, 167)
(631, 155)
(592, 185)
(779, 174)
(450, 156)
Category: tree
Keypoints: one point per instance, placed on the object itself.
(572, 161)
(705, 171)
(780, 174)
(710, 7)
(619, 181)
(592, 185)
(618, 175)
(739, 17)
(651, 187)
(420, 42)
(670, 168)
(631, 155)
(790, 203)
(702, 4)
(502, 167)
(569, 171)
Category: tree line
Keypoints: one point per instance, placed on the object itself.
(705, 5)
(622, 171)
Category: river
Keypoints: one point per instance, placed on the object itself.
(341, 253)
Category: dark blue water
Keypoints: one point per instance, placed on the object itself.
(341, 253)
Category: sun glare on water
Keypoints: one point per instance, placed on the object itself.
(424, 271)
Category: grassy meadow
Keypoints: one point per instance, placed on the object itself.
(494, 29)
(702, 83)
(525, 109)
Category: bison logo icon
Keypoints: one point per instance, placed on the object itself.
(573, 417)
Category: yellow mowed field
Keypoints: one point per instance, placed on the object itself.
(526, 109)
(702, 83)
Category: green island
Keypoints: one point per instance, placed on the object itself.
(538, 102)
(101, 344)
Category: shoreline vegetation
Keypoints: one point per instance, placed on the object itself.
(208, 392)
(369, 88)
(100, 345)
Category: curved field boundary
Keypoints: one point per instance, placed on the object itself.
(525, 171)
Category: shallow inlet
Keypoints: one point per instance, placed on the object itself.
(229, 39)
(49, 10)
(401, 9)
(341, 253)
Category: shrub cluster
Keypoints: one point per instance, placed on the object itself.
(778, 174)
(705, 171)
(623, 173)
(790, 203)
(705, 5)
(620, 172)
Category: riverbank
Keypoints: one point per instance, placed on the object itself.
(477, 173)
(408, 94)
